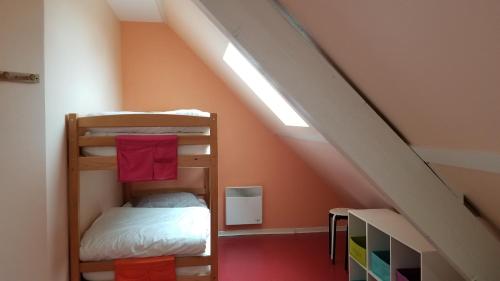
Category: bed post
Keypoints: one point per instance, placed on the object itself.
(206, 184)
(73, 197)
(214, 198)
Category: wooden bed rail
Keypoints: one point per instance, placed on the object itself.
(87, 141)
(143, 120)
(109, 266)
(92, 163)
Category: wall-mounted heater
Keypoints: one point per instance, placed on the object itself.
(243, 205)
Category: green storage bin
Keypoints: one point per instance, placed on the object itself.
(379, 264)
(357, 249)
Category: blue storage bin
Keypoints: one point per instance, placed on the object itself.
(379, 264)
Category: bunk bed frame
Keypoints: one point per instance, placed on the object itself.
(76, 128)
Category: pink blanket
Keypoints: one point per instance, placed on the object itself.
(146, 158)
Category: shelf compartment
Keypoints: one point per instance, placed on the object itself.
(379, 264)
(378, 241)
(357, 247)
(356, 271)
(408, 274)
(403, 256)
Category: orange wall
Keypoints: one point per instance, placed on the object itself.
(160, 72)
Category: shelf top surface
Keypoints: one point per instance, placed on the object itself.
(396, 226)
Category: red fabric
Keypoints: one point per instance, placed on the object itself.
(146, 158)
(145, 269)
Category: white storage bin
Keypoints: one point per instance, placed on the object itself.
(243, 205)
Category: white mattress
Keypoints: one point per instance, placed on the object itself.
(187, 112)
(146, 232)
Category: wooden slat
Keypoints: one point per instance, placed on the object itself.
(194, 161)
(97, 266)
(84, 141)
(127, 192)
(179, 262)
(89, 163)
(73, 197)
(96, 141)
(143, 120)
(97, 163)
(143, 192)
(206, 183)
(194, 261)
(139, 187)
(193, 278)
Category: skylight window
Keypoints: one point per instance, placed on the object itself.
(262, 88)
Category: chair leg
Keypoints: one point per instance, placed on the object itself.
(334, 238)
(346, 248)
(330, 235)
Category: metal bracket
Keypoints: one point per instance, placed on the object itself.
(19, 77)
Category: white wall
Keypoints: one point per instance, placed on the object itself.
(83, 74)
(22, 145)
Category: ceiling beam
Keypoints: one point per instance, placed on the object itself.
(469, 159)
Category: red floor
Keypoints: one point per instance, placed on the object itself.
(298, 257)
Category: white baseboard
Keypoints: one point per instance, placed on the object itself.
(270, 231)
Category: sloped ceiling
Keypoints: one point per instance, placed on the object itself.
(209, 42)
(138, 10)
(431, 67)
(186, 18)
(430, 70)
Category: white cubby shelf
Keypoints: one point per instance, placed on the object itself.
(390, 237)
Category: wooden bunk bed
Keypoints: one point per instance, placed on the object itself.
(78, 139)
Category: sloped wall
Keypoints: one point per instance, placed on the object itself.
(431, 67)
(160, 72)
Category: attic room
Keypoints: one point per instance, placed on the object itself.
(281, 140)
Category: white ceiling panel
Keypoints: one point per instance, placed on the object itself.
(138, 10)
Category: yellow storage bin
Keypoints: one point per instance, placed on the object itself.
(357, 249)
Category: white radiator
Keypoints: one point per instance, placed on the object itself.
(243, 205)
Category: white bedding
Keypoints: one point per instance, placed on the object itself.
(187, 112)
(146, 232)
